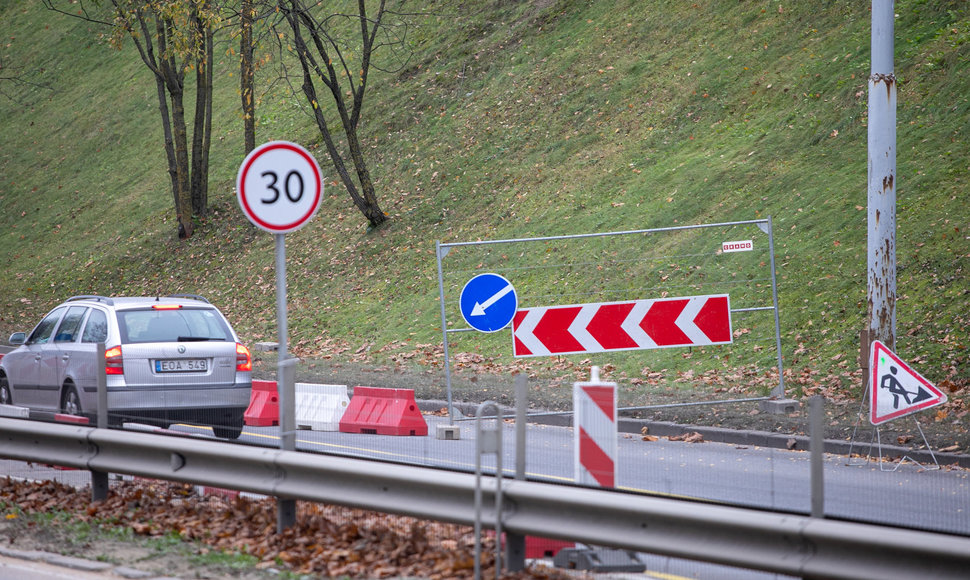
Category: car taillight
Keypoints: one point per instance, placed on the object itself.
(244, 362)
(112, 361)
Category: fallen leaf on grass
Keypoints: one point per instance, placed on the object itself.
(949, 385)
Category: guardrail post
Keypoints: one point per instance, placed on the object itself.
(515, 543)
(816, 420)
(99, 479)
(488, 441)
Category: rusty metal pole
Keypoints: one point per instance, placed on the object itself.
(882, 178)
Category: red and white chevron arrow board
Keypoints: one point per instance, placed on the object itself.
(640, 324)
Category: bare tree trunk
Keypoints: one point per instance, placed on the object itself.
(370, 208)
(169, 143)
(202, 127)
(176, 139)
(364, 195)
(246, 75)
(207, 142)
(309, 91)
(137, 19)
(180, 134)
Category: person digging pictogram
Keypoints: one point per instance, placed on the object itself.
(892, 384)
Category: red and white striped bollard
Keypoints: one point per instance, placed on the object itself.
(594, 423)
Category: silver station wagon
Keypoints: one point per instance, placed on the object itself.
(171, 359)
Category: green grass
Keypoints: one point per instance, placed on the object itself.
(98, 539)
(513, 120)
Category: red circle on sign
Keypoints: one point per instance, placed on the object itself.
(279, 186)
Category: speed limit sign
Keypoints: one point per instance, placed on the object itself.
(279, 187)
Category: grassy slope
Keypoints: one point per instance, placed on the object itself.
(515, 119)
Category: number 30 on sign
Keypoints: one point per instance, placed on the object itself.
(279, 187)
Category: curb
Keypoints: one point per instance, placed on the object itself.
(80, 564)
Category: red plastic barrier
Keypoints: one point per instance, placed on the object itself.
(383, 411)
(536, 547)
(264, 405)
(219, 491)
(74, 419)
(57, 417)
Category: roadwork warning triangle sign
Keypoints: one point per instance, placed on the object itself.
(896, 389)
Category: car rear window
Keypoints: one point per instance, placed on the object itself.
(181, 325)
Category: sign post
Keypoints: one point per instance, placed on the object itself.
(279, 188)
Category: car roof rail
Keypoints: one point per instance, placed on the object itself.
(189, 296)
(104, 299)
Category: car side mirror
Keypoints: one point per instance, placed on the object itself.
(17, 338)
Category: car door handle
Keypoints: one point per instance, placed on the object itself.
(66, 357)
(37, 357)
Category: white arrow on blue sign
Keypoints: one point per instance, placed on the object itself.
(488, 302)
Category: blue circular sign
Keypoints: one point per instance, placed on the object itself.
(488, 302)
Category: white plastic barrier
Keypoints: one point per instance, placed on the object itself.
(320, 407)
(14, 412)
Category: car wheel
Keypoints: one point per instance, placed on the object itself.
(70, 402)
(230, 431)
(5, 397)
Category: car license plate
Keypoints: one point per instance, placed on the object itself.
(181, 365)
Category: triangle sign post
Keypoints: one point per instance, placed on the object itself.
(896, 389)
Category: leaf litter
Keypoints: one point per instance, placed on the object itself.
(326, 541)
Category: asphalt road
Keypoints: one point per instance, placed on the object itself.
(774, 479)
(914, 495)
(911, 496)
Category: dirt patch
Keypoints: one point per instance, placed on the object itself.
(172, 558)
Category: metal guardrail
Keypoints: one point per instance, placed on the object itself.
(773, 542)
